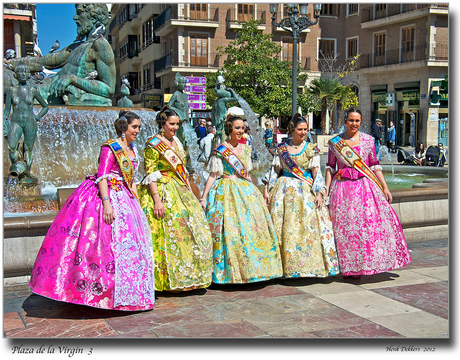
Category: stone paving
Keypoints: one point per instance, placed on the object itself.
(411, 302)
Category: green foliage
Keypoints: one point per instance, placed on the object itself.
(254, 69)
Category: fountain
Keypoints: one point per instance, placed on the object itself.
(383, 152)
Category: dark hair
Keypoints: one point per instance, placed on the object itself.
(163, 115)
(296, 120)
(418, 149)
(353, 110)
(228, 127)
(124, 119)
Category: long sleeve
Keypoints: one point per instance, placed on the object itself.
(106, 162)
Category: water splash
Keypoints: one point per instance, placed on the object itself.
(383, 152)
(264, 157)
(191, 140)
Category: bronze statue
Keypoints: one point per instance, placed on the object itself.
(179, 103)
(75, 83)
(219, 108)
(23, 121)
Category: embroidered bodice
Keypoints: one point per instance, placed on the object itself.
(222, 167)
(365, 149)
(157, 167)
(307, 159)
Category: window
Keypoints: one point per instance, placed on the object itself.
(245, 12)
(149, 79)
(407, 44)
(148, 33)
(353, 9)
(352, 47)
(198, 49)
(380, 11)
(198, 11)
(326, 49)
(379, 49)
(288, 49)
(330, 10)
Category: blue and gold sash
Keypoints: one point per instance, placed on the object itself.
(171, 158)
(294, 169)
(355, 161)
(126, 166)
(232, 160)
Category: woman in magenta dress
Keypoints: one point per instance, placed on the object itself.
(98, 251)
(369, 236)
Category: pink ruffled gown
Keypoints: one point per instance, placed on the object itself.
(368, 234)
(85, 261)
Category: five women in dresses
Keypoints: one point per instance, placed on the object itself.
(112, 248)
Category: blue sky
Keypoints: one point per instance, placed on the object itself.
(55, 22)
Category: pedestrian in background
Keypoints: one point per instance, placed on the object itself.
(377, 134)
(391, 137)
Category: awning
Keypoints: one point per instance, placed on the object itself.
(16, 17)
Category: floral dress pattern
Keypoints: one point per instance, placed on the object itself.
(182, 241)
(368, 234)
(305, 232)
(244, 240)
(85, 261)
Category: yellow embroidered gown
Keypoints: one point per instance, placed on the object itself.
(182, 240)
(305, 233)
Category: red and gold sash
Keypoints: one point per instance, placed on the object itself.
(354, 159)
(232, 160)
(294, 169)
(126, 166)
(171, 158)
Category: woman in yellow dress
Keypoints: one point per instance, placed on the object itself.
(297, 208)
(181, 237)
(245, 244)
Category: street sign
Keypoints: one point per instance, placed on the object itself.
(197, 106)
(196, 97)
(198, 89)
(196, 80)
(390, 99)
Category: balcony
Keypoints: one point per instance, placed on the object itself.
(432, 53)
(168, 62)
(233, 19)
(370, 17)
(169, 18)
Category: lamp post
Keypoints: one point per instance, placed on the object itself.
(295, 25)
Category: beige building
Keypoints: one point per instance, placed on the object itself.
(19, 28)
(403, 54)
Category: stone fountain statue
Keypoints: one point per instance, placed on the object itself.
(124, 90)
(90, 54)
(179, 103)
(23, 122)
(219, 108)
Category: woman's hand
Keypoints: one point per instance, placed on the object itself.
(388, 195)
(108, 214)
(203, 204)
(159, 210)
(319, 200)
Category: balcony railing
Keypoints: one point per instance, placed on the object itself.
(233, 16)
(369, 13)
(28, 7)
(152, 85)
(170, 60)
(172, 13)
(429, 52)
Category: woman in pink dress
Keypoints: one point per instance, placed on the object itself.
(98, 251)
(369, 236)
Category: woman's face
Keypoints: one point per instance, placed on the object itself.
(133, 130)
(391, 123)
(353, 122)
(171, 126)
(238, 130)
(300, 132)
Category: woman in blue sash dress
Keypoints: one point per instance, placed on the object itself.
(245, 245)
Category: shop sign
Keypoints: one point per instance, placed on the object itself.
(151, 97)
(408, 95)
(382, 97)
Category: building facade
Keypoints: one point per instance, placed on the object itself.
(19, 28)
(400, 75)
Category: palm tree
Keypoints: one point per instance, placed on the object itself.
(327, 91)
